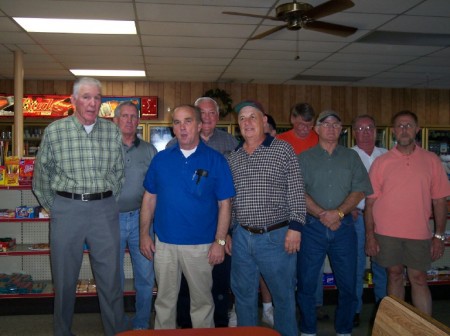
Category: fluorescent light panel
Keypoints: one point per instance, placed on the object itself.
(108, 73)
(75, 26)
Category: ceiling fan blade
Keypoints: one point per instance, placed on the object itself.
(330, 28)
(328, 8)
(268, 32)
(253, 15)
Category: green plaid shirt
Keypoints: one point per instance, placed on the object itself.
(71, 160)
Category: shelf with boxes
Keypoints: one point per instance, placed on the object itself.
(44, 289)
(31, 254)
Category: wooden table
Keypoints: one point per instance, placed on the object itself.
(238, 331)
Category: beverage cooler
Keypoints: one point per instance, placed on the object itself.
(437, 140)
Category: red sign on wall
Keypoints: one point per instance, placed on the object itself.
(47, 106)
(57, 106)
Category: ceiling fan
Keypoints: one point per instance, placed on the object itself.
(299, 15)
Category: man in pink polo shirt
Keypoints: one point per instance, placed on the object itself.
(408, 182)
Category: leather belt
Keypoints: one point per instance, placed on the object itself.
(265, 230)
(85, 197)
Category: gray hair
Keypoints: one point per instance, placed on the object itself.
(85, 81)
(118, 108)
(198, 101)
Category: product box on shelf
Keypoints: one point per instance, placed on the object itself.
(7, 244)
(2, 175)
(328, 279)
(18, 283)
(7, 213)
(27, 212)
(26, 169)
(12, 170)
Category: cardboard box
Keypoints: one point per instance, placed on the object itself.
(2, 175)
(328, 279)
(12, 170)
(7, 244)
(7, 213)
(26, 169)
(27, 212)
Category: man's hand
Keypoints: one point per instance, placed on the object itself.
(147, 247)
(437, 249)
(292, 241)
(372, 248)
(228, 244)
(331, 219)
(216, 254)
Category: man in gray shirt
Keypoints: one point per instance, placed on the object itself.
(137, 156)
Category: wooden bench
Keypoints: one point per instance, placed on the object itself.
(396, 317)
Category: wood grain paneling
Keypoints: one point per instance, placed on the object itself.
(432, 106)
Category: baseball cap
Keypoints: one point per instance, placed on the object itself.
(252, 103)
(325, 114)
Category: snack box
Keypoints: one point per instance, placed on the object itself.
(12, 170)
(328, 279)
(27, 212)
(26, 169)
(7, 213)
(2, 175)
(7, 243)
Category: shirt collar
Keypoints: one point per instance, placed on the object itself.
(266, 143)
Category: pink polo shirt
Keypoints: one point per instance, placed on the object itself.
(403, 186)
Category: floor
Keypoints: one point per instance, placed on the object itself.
(89, 324)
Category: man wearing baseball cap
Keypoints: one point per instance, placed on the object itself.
(335, 181)
(269, 209)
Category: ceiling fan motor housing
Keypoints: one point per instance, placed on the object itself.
(292, 13)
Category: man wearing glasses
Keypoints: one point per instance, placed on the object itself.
(365, 133)
(335, 182)
(408, 182)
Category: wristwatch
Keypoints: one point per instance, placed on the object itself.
(221, 242)
(340, 213)
(441, 237)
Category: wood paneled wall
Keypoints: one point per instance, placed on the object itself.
(432, 106)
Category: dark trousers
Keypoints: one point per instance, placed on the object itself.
(220, 292)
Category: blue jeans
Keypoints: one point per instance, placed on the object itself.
(144, 274)
(379, 281)
(264, 253)
(361, 260)
(340, 245)
(319, 290)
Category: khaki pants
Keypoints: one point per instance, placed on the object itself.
(192, 260)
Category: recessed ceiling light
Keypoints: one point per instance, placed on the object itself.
(74, 26)
(108, 73)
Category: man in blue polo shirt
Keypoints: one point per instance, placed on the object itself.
(187, 198)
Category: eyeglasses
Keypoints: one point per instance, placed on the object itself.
(304, 125)
(330, 125)
(407, 126)
(367, 128)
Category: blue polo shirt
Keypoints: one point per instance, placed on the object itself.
(187, 206)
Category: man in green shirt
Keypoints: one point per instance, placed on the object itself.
(79, 166)
(335, 181)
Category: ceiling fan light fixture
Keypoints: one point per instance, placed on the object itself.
(297, 15)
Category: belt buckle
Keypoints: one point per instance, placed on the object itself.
(84, 199)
